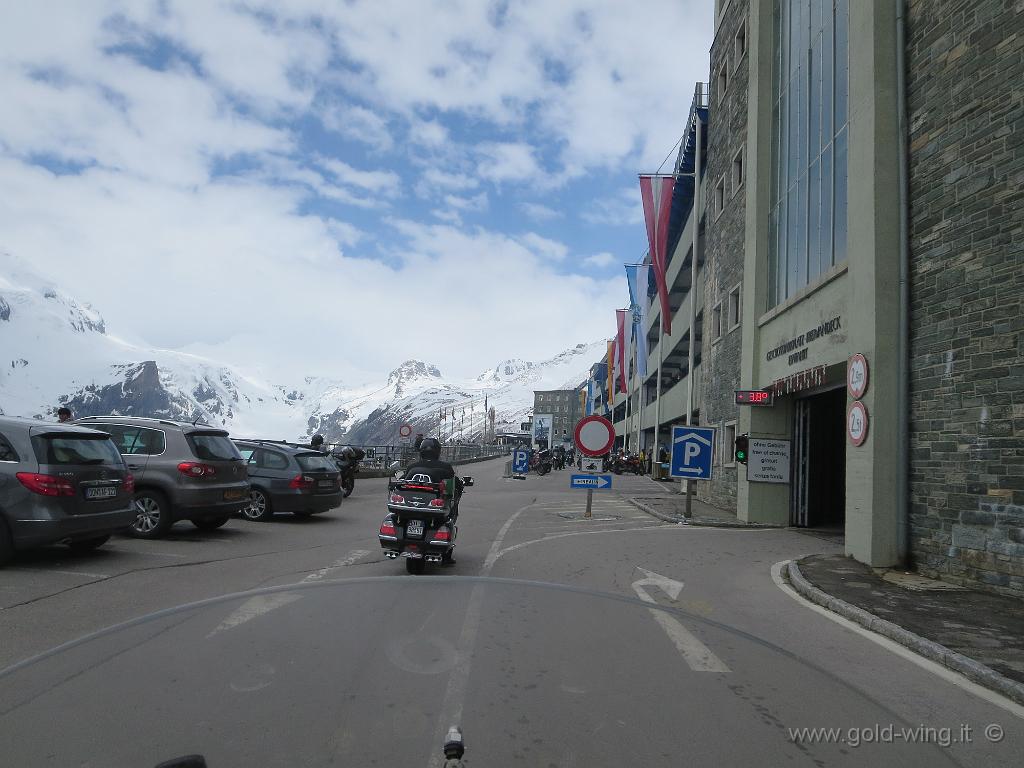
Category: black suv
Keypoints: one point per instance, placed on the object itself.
(183, 471)
(285, 477)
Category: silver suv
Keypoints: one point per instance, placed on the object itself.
(59, 484)
(182, 471)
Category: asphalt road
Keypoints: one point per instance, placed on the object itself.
(554, 640)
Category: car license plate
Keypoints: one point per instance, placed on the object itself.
(105, 492)
(414, 528)
(326, 483)
(235, 495)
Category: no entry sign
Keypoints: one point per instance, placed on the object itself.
(594, 435)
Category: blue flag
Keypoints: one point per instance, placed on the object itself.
(637, 275)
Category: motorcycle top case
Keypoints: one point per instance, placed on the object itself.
(410, 499)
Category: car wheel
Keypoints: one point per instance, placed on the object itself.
(154, 515)
(259, 506)
(87, 545)
(210, 523)
(415, 566)
(6, 545)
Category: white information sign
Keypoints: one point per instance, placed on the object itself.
(768, 460)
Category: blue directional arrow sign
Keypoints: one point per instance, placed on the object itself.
(590, 482)
(520, 462)
(693, 449)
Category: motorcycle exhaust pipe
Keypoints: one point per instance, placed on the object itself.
(391, 554)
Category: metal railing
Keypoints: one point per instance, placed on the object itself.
(385, 456)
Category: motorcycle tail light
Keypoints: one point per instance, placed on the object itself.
(442, 534)
(436, 503)
(387, 528)
(397, 499)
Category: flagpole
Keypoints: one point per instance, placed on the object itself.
(691, 354)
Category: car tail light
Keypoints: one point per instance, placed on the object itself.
(195, 469)
(442, 534)
(397, 499)
(301, 482)
(46, 485)
(436, 503)
(129, 484)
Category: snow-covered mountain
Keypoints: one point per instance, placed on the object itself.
(56, 350)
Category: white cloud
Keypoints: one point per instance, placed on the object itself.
(475, 203)
(624, 209)
(550, 249)
(434, 180)
(358, 123)
(539, 212)
(511, 161)
(428, 133)
(387, 183)
(600, 260)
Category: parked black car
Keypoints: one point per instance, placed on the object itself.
(288, 478)
(183, 471)
(60, 484)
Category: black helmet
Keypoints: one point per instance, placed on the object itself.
(317, 441)
(348, 452)
(430, 449)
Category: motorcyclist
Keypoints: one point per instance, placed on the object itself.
(429, 463)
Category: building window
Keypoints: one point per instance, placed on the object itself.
(718, 200)
(736, 173)
(729, 444)
(721, 83)
(807, 224)
(716, 322)
(734, 308)
(739, 43)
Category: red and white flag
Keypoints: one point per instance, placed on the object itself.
(656, 192)
(620, 348)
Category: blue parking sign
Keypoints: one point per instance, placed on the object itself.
(520, 462)
(693, 451)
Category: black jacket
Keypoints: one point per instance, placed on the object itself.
(436, 469)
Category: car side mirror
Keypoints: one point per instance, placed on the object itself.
(467, 481)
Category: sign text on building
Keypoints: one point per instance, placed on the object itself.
(795, 347)
(797, 382)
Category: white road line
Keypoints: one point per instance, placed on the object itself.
(63, 573)
(263, 604)
(902, 651)
(349, 559)
(455, 693)
(696, 655)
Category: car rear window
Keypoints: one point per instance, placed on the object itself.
(75, 449)
(315, 462)
(212, 446)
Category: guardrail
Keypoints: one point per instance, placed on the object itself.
(384, 456)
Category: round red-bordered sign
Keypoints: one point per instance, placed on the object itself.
(405, 430)
(594, 435)
(857, 376)
(857, 423)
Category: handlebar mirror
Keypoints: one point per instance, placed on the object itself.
(467, 481)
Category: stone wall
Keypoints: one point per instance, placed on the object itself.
(965, 69)
(724, 243)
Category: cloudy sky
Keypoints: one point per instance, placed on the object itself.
(330, 187)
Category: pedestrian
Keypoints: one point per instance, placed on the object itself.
(63, 414)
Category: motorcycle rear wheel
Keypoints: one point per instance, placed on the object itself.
(415, 566)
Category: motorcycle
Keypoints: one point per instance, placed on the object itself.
(349, 468)
(540, 462)
(626, 463)
(418, 525)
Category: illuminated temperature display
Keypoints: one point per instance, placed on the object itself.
(753, 397)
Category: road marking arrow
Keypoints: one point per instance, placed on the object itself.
(697, 655)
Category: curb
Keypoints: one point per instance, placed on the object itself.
(696, 522)
(966, 666)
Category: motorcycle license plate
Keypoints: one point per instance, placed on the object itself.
(414, 528)
(105, 492)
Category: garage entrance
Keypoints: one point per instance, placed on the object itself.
(819, 471)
